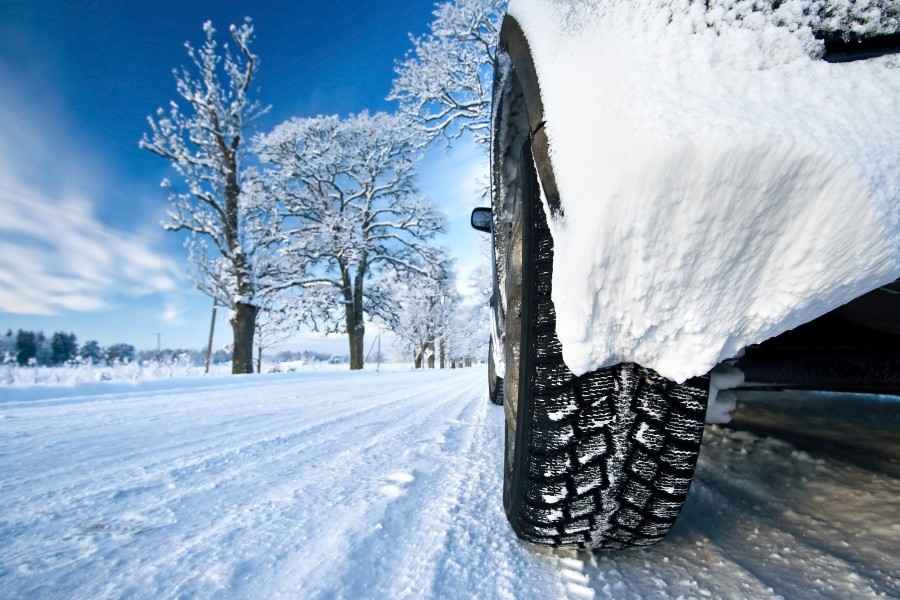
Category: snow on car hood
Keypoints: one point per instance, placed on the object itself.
(720, 183)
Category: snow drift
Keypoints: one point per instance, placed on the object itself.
(720, 183)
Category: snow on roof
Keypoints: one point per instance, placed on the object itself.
(720, 183)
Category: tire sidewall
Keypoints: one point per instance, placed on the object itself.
(517, 436)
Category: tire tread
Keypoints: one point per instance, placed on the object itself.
(612, 452)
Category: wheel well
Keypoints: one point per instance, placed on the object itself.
(520, 77)
(866, 331)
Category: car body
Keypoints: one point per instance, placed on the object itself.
(682, 191)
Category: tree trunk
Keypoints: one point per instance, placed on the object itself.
(417, 359)
(352, 290)
(259, 359)
(356, 334)
(443, 352)
(431, 357)
(243, 322)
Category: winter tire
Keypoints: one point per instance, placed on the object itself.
(495, 384)
(604, 460)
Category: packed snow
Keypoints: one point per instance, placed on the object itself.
(720, 182)
(388, 485)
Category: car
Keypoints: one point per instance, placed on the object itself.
(603, 456)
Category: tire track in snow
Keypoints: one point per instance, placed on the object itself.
(741, 533)
(362, 520)
(164, 457)
(774, 546)
(273, 512)
(480, 551)
(97, 503)
(402, 552)
(390, 489)
(422, 393)
(213, 405)
(773, 555)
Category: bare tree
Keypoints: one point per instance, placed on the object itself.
(204, 140)
(426, 309)
(274, 325)
(444, 84)
(466, 338)
(350, 216)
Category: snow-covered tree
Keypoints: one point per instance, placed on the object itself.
(351, 216)
(8, 347)
(274, 325)
(63, 348)
(468, 335)
(204, 136)
(26, 347)
(120, 354)
(426, 308)
(91, 352)
(444, 84)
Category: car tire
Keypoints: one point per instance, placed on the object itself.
(495, 384)
(604, 460)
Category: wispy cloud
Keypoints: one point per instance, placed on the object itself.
(55, 254)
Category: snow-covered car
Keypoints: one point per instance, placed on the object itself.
(687, 196)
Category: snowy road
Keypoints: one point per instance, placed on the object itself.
(337, 485)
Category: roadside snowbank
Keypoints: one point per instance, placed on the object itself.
(26, 384)
(720, 183)
(16, 376)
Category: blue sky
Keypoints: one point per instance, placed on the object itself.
(80, 244)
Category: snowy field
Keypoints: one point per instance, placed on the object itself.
(340, 485)
(15, 376)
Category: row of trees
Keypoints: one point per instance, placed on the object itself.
(34, 348)
(320, 222)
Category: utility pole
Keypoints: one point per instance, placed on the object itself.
(212, 330)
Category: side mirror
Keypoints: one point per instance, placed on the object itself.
(482, 219)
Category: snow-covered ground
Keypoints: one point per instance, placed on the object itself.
(365, 485)
(17, 376)
(17, 381)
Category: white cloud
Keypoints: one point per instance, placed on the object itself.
(55, 255)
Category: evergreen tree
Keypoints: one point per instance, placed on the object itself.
(120, 352)
(44, 355)
(91, 351)
(26, 347)
(7, 346)
(63, 348)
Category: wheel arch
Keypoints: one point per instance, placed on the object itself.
(514, 44)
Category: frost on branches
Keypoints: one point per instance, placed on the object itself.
(351, 217)
(203, 137)
(274, 325)
(435, 325)
(425, 309)
(444, 84)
